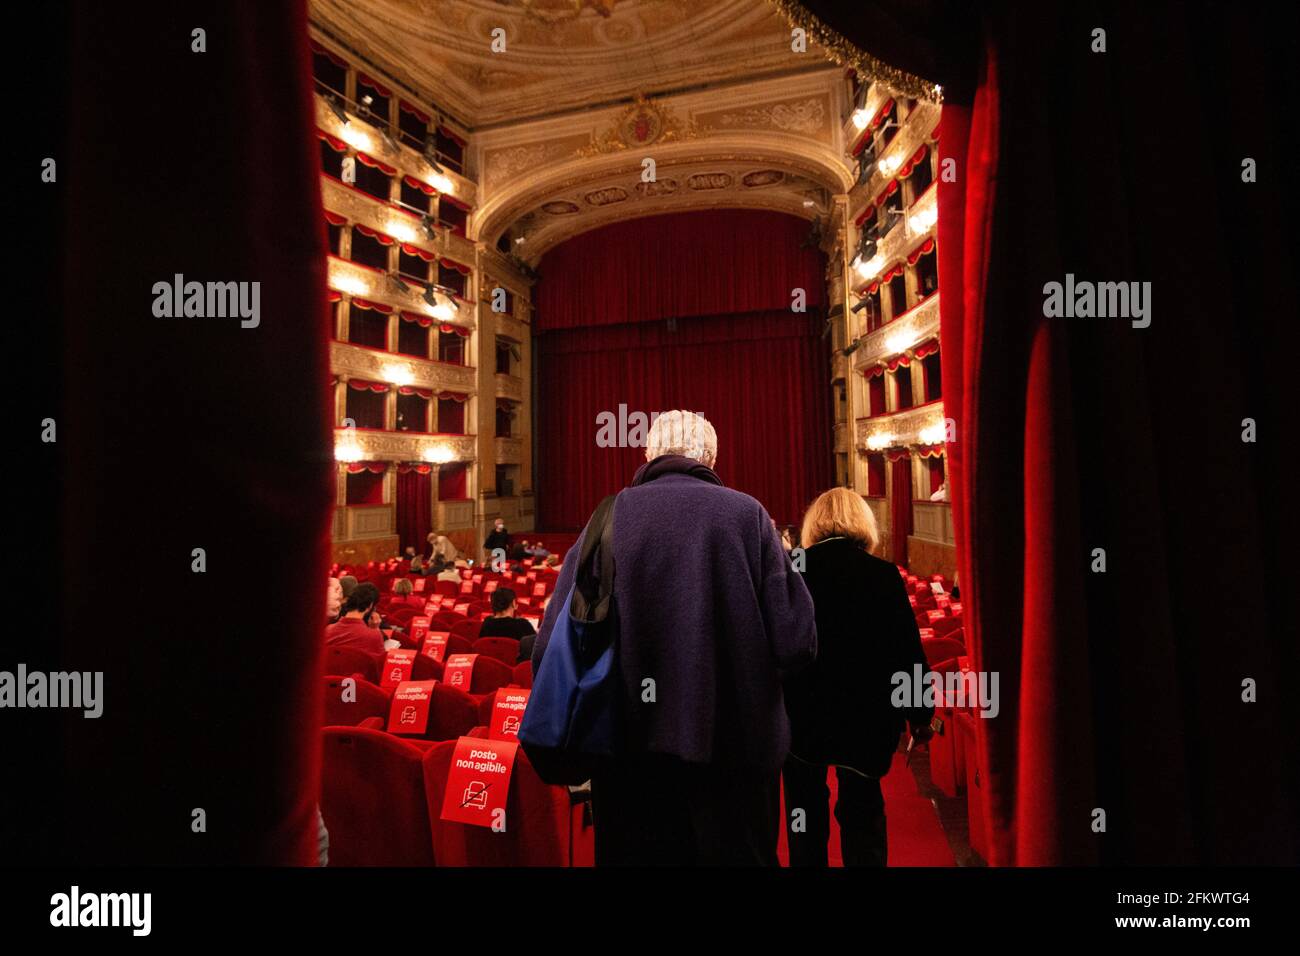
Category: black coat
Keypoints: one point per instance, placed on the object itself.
(840, 707)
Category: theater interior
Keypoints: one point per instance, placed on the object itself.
(495, 240)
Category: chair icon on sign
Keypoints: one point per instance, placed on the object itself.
(457, 677)
(475, 795)
(510, 725)
(395, 675)
(408, 714)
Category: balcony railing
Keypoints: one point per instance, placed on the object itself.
(357, 361)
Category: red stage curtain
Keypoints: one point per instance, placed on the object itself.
(900, 508)
(762, 380)
(414, 508)
(205, 706)
(720, 262)
(759, 374)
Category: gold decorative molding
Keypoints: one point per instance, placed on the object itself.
(510, 387)
(643, 124)
(897, 430)
(407, 446)
(407, 161)
(508, 451)
(839, 49)
(918, 128)
(356, 280)
(354, 361)
(909, 330)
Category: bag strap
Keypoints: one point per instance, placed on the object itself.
(593, 588)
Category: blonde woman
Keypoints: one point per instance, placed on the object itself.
(840, 707)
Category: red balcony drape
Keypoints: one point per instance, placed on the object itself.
(414, 507)
(453, 481)
(900, 508)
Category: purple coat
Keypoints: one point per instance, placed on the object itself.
(710, 609)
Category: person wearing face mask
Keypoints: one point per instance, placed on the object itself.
(498, 539)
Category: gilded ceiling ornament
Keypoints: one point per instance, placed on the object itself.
(806, 117)
(553, 11)
(845, 53)
(642, 124)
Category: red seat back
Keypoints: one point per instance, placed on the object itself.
(489, 674)
(342, 661)
(536, 825)
(459, 644)
(426, 668)
(945, 626)
(370, 701)
(372, 799)
(446, 587)
(522, 675)
(465, 629)
(941, 648)
(503, 649)
(452, 713)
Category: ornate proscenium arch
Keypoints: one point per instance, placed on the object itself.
(776, 146)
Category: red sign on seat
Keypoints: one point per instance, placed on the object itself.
(419, 628)
(478, 782)
(539, 589)
(508, 712)
(459, 671)
(397, 667)
(409, 713)
(435, 645)
(490, 586)
(466, 587)
(418, 586)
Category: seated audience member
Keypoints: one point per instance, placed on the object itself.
(349, 584)
(449, 572)
(417, 565)
(333, 600)
(353, 629)
(502, 622)
(409, 553)
(518, 560)
(841, 709)
(405, 592)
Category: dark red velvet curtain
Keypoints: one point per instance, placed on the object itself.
(453, 481)
(414, 508)
(212, 690)
(1122, 690)
(900, 508)
(625, 322)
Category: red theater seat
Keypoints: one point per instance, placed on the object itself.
(426, 668)
(537, 823)
(372, 799)
(944, 626)
(460, 644)
(342, 661)
(465, 629)
(370, 702)
(941, 648)
(523, 675)
(503, 649)
(450, 588)
(490, 674)
(452, 713)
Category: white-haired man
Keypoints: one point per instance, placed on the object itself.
(707, 630)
